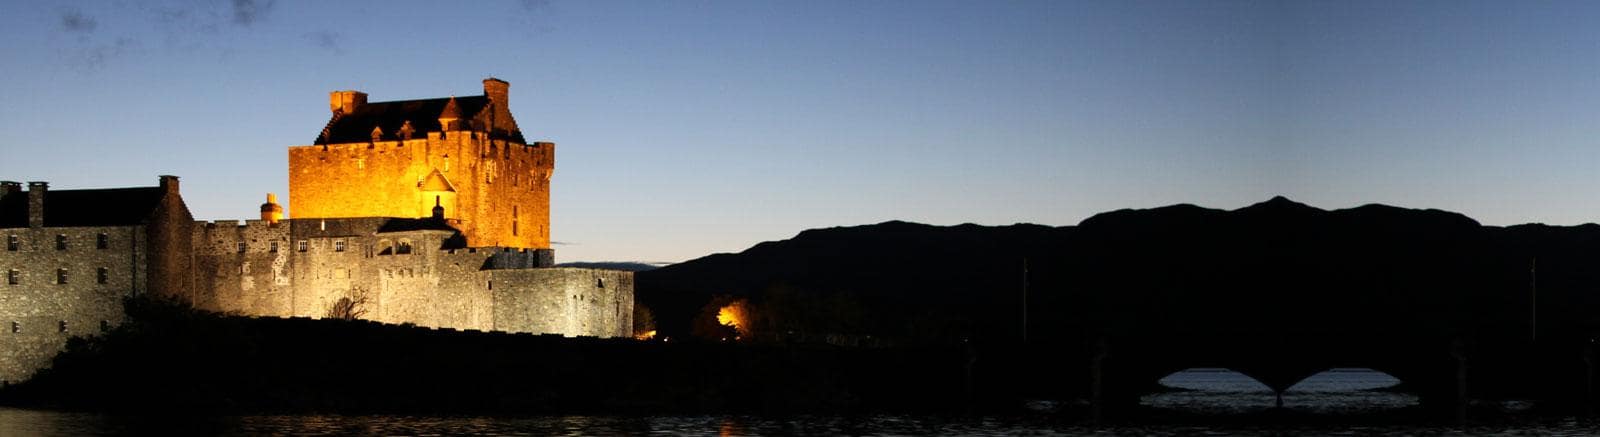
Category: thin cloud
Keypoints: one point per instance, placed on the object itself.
(247, 12)
(75, 21)
(327, 40)
(94, 57)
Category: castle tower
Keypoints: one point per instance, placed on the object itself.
(271, 212)
(402, 158)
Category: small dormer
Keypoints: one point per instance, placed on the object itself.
(406, 130)
(450, 115)
(377, 133)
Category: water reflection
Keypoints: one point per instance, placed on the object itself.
(1222, 391)
(34, 422)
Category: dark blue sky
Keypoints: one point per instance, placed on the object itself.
(685, 128)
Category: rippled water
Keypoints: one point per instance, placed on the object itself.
(14, 422)
(1203, 390)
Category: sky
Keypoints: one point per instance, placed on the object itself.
(687, 128)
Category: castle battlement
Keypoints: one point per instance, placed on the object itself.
(433, 213)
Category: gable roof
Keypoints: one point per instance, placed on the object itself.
(98, 207)
(357, 126)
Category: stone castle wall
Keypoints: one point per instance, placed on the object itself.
(488, 289)
(501, 194)
(39, 313)
(571, 301)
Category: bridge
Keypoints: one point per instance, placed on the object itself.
(1281, 291)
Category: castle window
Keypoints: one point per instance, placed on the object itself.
(61, 276)
(338, 245)
(61, 326)
(404, 248)
(102, 241)
(13, 277)
(105, 326)
(513, 220)
(303, 245)
(600, 282)
(273, 248)
(12, 243)
(240, 247)
(61, 242)
(16, 327)
(101, 275)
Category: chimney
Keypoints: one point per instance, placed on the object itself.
(499, 94)
(10, 187)
(345, 102)
(36, 190)
(169, 184)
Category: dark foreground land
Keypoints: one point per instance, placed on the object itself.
(170, 359)
(174, 359)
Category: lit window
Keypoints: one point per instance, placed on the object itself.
(338, 245)
(240, 246)
(61, 276)
(102, 275)
(273, 248)
(12, 243)
(304, 245)
(61, 242)
(102, 241)
(13, 277)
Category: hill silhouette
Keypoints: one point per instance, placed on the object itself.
(1273, 265)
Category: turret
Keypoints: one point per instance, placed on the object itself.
(271, 212)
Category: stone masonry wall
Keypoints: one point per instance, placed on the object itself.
(253, 279)
(39, 313)
(563, 300)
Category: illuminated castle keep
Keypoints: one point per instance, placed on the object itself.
(434, 213)
(400, 159)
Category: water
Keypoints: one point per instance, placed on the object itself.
(1208, 391)
(14, 422)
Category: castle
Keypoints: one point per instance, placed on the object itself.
(433, 213)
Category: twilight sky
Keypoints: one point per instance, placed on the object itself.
(691, 127)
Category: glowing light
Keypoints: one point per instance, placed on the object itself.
(645, 336)
(729, 316)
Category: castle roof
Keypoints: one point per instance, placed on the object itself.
(97, 207)
(357, 126)
(415, 224)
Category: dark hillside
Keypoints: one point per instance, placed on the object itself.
(1267, 267)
